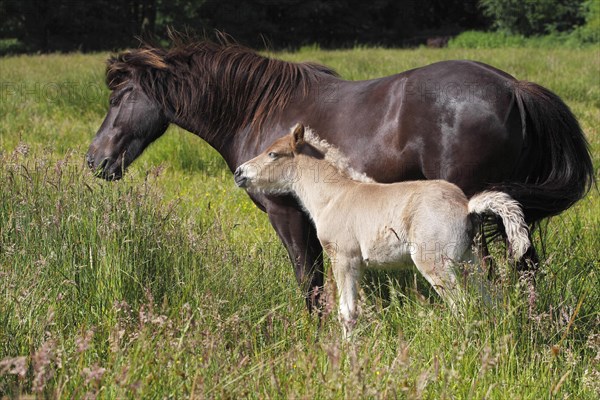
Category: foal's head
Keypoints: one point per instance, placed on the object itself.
(133, 121)
(276, 169)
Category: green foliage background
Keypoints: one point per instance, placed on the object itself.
(529, 17)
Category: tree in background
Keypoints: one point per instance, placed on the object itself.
(337, 23)
(63, 25)
(50, 25)
(590, 31)
(66, 25)
(533, 17)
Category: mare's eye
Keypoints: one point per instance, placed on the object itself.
(273, 155)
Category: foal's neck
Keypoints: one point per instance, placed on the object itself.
(319, 183)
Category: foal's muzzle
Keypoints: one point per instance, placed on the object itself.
(239, 178)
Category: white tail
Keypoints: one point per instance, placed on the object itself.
(510, 211)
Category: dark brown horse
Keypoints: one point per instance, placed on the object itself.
(462, 121)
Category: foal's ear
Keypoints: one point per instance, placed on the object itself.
(297, 135)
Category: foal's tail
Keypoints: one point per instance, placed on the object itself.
(510, 211)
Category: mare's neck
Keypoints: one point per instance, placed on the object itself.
(319, 184)
(237, 113)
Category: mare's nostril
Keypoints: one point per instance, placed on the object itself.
(99, 169)
(90, 161)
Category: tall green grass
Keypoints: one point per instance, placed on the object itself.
(171, 283)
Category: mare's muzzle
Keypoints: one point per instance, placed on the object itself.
(106, 168)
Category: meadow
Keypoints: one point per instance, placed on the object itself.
(172, 284)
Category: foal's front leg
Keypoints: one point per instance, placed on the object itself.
(347, 271)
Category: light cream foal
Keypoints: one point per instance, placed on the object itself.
(361, 223)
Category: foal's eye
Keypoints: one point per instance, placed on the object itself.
(273, 155)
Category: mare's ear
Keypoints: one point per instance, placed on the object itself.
(297, 136)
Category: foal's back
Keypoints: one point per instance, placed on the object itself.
(384, 224)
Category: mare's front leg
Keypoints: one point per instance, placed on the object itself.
(299, 236)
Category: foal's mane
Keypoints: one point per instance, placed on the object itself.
(220, 83)
(334, 156)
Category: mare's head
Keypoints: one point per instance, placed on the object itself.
(274, 170)
(213, 89)
(135, 119)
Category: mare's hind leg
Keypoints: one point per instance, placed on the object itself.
(483, 253)
(530, 261)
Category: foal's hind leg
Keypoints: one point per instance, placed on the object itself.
(439, 272)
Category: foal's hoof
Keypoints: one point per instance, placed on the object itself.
(349, 328)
